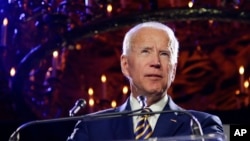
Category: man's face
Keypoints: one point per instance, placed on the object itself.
(148, 64)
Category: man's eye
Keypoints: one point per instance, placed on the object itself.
(144, 51)
(164, 53)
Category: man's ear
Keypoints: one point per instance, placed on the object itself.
(124, 65)
(174, 72)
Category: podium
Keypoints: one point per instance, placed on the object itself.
(207, 137)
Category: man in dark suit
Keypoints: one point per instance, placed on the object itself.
(149, 60)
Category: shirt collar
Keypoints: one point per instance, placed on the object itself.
(158, 106)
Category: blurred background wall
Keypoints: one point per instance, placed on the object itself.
(54, 52)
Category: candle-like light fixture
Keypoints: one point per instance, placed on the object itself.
(104, 86)
(190, 4)
(103, 78)
(246, 85)
(91, 91)
(12, 72)
(241, 72)
(4, 32)
(91, 99)
(91, 104)
(88, 4)
(113, 103)
(48, 73)
(54, 63)
(124, 92)
(237, 92)
(109, 9)
(32, 75)
(78, 46)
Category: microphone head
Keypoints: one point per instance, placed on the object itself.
(80, 102)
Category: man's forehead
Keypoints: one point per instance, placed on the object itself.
(145, 29)
(149, 32)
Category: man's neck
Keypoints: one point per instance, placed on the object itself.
(151, 98)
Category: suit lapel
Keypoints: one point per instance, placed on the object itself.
(123, 127)
(168, 123)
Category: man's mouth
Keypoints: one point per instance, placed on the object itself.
(153, 75)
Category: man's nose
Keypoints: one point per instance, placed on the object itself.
(156, 61)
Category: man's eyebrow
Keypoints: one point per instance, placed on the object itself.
(165, 50)
(146, 47)
(143, 48)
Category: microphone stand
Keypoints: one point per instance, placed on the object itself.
(195, 125)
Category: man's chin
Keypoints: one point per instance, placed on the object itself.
(155, 92)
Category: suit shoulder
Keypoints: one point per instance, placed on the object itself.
(209, 122)
(203, 115)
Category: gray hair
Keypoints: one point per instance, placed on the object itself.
(173, 43)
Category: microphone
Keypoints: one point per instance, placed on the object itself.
(80, 103)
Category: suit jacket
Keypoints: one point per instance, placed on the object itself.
(169, 124)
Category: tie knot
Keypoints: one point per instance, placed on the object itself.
(147, 110)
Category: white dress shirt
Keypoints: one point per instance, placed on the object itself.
(158, 106)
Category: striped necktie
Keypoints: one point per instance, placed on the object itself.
(143, 129)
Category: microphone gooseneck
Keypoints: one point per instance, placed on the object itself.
(80, 103)
(195, 126)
